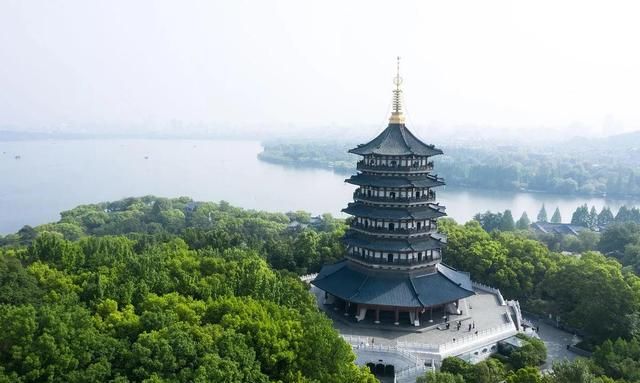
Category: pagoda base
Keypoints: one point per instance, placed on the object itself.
(434, 319)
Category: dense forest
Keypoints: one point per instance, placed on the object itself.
(591, 167)
(155, 290)
(171, 290)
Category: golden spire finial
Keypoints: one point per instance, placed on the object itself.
(396, 115)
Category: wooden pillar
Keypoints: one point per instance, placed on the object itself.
(346, 308)
(377, 321)
(431, 314)
(397, 322)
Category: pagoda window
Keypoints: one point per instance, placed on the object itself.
(393, 163)
(368, 193)
(392, 195)
(389, 258)
(419, 225)
(392, 226)
(420, 256)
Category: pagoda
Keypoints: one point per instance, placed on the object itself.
(392, 271)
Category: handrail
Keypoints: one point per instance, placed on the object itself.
(308, 277)
(362, 165)
(398, 230)
(423, 198)
(491, 290)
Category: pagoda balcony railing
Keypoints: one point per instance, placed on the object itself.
(424, 198)
(364, 166)
(398, 231)
(395, 262)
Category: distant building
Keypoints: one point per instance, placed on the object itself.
(557, 228)
(315, 222)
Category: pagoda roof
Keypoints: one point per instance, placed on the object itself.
(354, 238)
(360, 209)
(423, 181)
(360, 285)
(396, 140)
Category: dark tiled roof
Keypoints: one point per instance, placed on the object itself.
(396, 140)
(360, 209)
(424, 181)
(359, 285)
(558, 228)
(354, 238)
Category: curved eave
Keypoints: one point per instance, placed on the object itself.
(359, 286)
(426, 181)
(359, 209)
(392, 244)
(396, 140)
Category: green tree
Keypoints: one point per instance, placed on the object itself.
(524, 222)
(532, 354)
(619, 359)
(556, 217)
(489, 221)
(581, 217)
(605, 217)
(456, 366)
(593, 218)
(507, 223)
(525, 375)
(440, 377)
(573, 372)
(542, 214)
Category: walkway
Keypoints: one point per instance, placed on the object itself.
(556, 341)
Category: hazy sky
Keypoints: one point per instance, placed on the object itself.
(299, 64)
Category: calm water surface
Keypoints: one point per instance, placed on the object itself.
(53, 176)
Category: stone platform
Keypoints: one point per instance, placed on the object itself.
(492, 316)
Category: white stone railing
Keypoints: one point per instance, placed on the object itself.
(482, 334)
(491, 290)
(439, 348)
(362, 343)
(414, 371)
(426, 347)
(308, 277)
(515, 305)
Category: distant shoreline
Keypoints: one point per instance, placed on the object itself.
(349, 171)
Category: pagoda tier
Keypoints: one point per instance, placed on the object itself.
(394, 250)
(405, 182)
(360, 285)
(396, 140)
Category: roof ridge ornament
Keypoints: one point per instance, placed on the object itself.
(397, 117)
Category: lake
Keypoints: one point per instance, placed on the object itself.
(52, 176)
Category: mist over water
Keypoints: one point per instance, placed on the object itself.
(53, 176)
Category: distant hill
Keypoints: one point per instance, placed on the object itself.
(12, 135)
